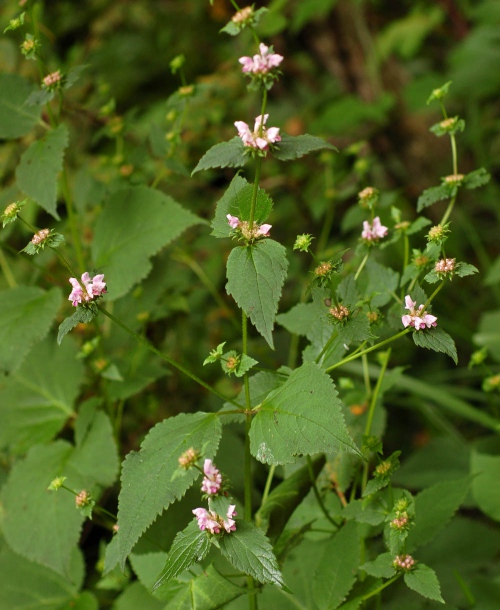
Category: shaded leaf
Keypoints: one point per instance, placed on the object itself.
(423, 580)
(436, 340)
(224, 154)
(294, 147)
(16, 118)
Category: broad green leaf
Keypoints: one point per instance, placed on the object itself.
(436, 340)
(304, 416)
(294, 147)
(152, 478)
(16, 118)
(237, 202)
(225, 154)
(82, 315)
(423, 580)
(189, 546)
(434, 508)
(207, 591)
(37, 401)
(432, 195)
(51, 517)
(137, 597)
(260, 385)
(27, 314)
(85, 601)
(255, 276)
(337, 566)
(485, 465)
(379, 281)
(247, 549)
(39, 168)
(137, 222)
(27, 585)
(477, 178)
(381, 567)
(299, 319)
(285, 497)
(364, 511)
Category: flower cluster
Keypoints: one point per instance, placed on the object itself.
(418, 318)
(261, 63)
(261, 137)
(374, 231)
(188, 458)
(214, 523)
(87, 289)
(243, 227)
(445, 266)
(339, 313)
(52, 80)
(404, 562)
(212, 481)
(40, 236)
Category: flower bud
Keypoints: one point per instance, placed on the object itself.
(189, 458)
(404, 562)
(368, 197)
(303, 242)
(56, 484)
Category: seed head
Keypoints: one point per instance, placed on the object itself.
(82, 499)
(404, 562)
(243, 15)
(339, 313)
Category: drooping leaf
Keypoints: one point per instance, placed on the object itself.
(437, 340)
(27, 314)
(237, 202)
(82, 315)
(255, 276)
(432, 195)
(434, 507)
(381, 567)
(38, 400)
(423, 580)
(225, 154)
(37, 173)
(189, 546)
(294, 147)
(248, 549)
(137, 222)
(16, 118)
(337, 566)
(152, 478)
(477, 178)
(302, 417)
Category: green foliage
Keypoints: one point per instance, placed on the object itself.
(225, 154)
(27, 314)
(437, 340)
(485, 466)
(16, 118)
(423, 580)
(297, 420)
(40, 165)
(255, 276)
(135, 224)
(153, 474)
(295, 147)
(83, 315)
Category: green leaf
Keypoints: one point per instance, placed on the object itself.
(485, 465)
(255, 276)
(16, 119)
(285, 497)
(82, 315)
(423, 580)
(299, 319)
(434, 507)
(137, 222)
(189, 546)
(477, 178)
(135, 597)
(436, 340)
(207, 591)
(237, 202)
(337, 566)
(465, 269)
(38, 400)
(432, 195)
(152, 478)
(245, 363)
(248, 549)
(27, 314)
(364, 511)
(294, 147)
(304, 416)
(381, 567)
(379, 281)
(225, 154)
(38, 170)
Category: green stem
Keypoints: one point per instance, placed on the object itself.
(363, 263)
(334, 335)
(170, 361)
(72, 221)
(381, 588)
(369, 349)
(431, 298)
(319, 499)
(267, 487)
(366, 374)
(255, 191)
(4, 265)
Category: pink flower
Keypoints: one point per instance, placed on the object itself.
(375, 231)
(264, 230)
(261, 63)
(52, 79)
(87, 289)
(261, 137)
(233, 221)
(207, 520)
(212, 481)
(244, 228)
(229, 523)
(418, 318)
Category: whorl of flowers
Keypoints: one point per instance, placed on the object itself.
(209, 520)
(212, 481)
(261, 137)
(243, 226)
(87, 289)
(262, 63)
(374, 231)
(418, 318)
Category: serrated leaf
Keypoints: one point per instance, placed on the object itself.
(465, 269)
(337, 566)
(477, 178)
(207, 591)
(82, 315)
(294, 147)
(137, 222)
(419, 224)
(285, 497)
(189, 546)
(302, 417)
(38, 400)
(436, 340)
(299, 319)
(27, 314)
(381, 567)
(380, 281)
(363, 511)
(255, 276)
(423, 580)
(237, 202)
(152, 478)
(245, 364)
(16, 118)
(248, 549)
(434, 507)
(432, 195)
(38, 170)
(224, 154)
